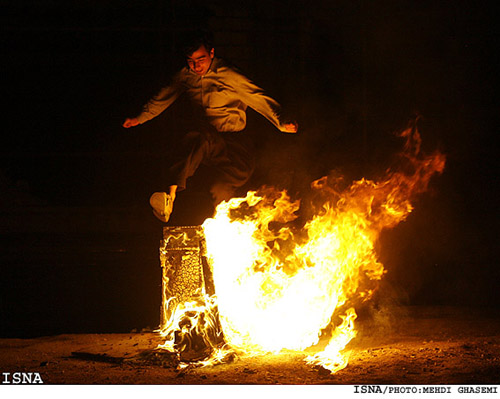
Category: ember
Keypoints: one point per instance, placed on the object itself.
(279, 283)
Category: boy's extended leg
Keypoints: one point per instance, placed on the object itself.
(196, 149)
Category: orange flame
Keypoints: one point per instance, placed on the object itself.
(278, 284)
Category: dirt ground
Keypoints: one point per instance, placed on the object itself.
(405, 346)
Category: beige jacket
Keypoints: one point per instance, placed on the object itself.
(224, 94)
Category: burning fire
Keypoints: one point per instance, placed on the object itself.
(279, 281)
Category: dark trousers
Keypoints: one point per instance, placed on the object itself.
(231, 153)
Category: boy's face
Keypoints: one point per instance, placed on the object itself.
(200, 60)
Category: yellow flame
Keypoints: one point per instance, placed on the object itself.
(278, 284)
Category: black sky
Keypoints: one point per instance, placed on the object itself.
(351, 72)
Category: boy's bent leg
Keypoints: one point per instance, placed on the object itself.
(195, 149)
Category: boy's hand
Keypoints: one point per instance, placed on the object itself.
(290, 127)
(130, 122)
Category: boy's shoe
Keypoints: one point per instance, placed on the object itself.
(162, 204)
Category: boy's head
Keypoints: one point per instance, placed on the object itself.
(198, 50)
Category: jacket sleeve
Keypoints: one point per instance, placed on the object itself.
(161, 101)
(255, 97)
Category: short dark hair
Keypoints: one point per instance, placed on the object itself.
(193, 40)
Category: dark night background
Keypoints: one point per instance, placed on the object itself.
(79, 245)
